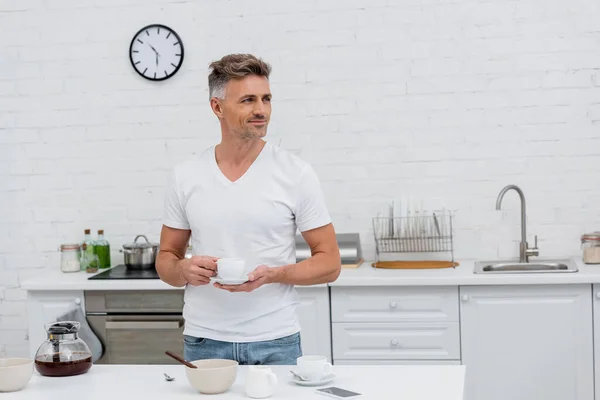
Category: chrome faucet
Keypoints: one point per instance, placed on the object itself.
(524, 251)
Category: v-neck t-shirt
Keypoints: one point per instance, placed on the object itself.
(256, 218)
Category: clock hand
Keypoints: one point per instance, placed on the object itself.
(156, 52)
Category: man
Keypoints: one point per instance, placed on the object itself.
(244, 198)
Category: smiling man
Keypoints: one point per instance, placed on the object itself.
(244, 198)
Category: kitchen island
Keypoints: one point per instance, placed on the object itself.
(147, 382)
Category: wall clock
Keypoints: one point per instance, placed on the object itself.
(156, 52)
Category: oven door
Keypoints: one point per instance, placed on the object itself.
(138, 339)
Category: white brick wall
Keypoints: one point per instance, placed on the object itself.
(447, 101)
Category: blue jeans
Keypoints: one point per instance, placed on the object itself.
(282, 351)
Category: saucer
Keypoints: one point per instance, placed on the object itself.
(318, 382)
(236, 281)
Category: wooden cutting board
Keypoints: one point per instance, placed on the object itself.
(358, 264)
(414, 264)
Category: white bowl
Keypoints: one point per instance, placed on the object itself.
(15, 373)
(212, 376)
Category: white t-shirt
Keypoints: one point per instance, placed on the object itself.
(255, 218)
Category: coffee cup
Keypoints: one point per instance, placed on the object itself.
(231, 268)
(313, 367)
(260, 382)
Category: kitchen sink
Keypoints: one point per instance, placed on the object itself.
(515, 267)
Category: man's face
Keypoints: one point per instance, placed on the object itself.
(246, 110)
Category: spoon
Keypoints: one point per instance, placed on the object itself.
(168, 378)
(181, 360)
(298, 376)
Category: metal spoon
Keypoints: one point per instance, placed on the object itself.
(298, 376)
(168, 378)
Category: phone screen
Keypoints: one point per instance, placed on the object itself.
(341, 393)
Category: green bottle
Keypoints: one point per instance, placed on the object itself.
(102, 250)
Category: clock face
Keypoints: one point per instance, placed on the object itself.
(156, 52)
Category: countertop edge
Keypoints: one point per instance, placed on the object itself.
(364, 275)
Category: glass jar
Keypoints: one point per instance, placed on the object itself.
(70, 254)
(89, 262)
(63, 353)
(590, 242)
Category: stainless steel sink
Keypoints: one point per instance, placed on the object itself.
(524, 265)
(510, 267)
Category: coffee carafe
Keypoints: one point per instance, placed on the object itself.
(63, 353)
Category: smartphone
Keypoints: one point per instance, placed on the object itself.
(338, 393)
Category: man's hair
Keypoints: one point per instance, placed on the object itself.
(234, 66)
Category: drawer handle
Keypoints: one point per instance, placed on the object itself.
(393, 304)
(465, 298)
(598, 295)
(132, 325)
(394, 342)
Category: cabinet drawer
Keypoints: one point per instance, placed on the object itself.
(134, 301)
(400, 341)
(394, 304)
(396, 362)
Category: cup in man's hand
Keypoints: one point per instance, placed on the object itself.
(231, 268)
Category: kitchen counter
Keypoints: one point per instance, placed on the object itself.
(462, 275)
(365, 275)
(426, 382)
(55, 279)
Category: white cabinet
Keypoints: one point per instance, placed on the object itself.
(404, 341)
(397, 362)
(527, 342)
(313, 312)
(403, 325)
(46, 306)
(315, 324)
(394, 304)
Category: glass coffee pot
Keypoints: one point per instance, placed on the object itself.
(63, 353)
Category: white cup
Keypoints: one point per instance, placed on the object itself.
(313, 367)
(260, 382)
(231, 268)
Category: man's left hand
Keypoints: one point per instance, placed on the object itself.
(260, 276)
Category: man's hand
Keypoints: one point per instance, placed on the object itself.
(260, 276)
(198, 270)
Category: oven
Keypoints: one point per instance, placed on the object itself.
(136, 327)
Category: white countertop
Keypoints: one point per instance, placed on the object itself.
(462, 275)
(55, 279)
(406, 382)
(365, 275)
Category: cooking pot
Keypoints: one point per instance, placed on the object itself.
(140, 255)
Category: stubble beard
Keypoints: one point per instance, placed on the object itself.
(250, 134)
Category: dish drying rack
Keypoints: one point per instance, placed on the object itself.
(419, 233)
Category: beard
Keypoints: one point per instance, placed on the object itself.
(250, 132)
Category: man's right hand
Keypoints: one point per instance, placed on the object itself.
(199, 269)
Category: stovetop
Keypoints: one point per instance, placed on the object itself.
(122, 272)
